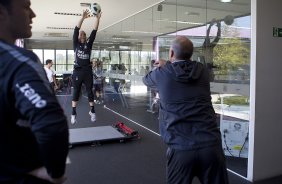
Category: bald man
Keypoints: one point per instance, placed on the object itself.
(187, 118)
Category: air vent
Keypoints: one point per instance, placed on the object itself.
(64, 13)
(68, 28)
(56, 35)
(85, 4)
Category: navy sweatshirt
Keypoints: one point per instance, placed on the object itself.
(186, 116)
(33, 127)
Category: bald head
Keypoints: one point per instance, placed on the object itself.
(181, 48)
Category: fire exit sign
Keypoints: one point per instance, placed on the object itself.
(277, 32)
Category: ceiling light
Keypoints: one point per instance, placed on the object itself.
(142, 32)
(192, 13)
(180, 22)
(226, 1)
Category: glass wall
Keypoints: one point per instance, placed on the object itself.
(220, 33)
(61, 60)
(222, 43)
(49, 54)
(69, 61)
(39, 53)
(64, 59)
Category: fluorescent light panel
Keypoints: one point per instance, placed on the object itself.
(226, 1)
(142, 32)
(179, 22)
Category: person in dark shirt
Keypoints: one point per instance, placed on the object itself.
(187, 118)
(208, 48)
(82, 73)
(209, 45)
(98, 81)
(34, 135)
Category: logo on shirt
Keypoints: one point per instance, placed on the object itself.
(81, 55)
(32, 96)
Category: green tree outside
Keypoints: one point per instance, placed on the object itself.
(232, 52)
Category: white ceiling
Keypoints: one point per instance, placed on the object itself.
(126, 21)
(113, 12)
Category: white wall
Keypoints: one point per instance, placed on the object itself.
(266, 91)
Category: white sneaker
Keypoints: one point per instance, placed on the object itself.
(73, 119)
(93, 116)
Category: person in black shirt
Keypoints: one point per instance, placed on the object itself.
(34, 135)
(82, 73)
(208, 48)
(187, 118)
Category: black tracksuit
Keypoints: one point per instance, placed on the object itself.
(33, 127)
(82, 72)
(188, 123)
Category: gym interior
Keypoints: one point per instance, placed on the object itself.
(124, 146)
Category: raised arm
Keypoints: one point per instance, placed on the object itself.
(218, 34)
(97, 21)
(94, 31)
(207, 39)
(85, 14)
(207, 42)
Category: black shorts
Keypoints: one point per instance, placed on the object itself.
(208, 164)
(82, 77)
(98, 87)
